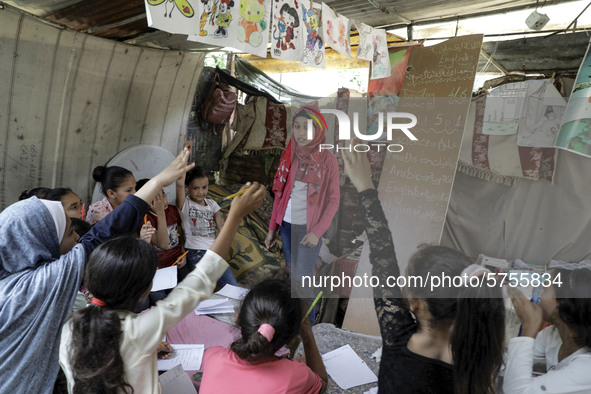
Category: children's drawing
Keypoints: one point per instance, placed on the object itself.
(313, 51)
(207, 15)
(337, 31)
(504, 109)
(575, 131)
(286, 42)
(380, 61)
(253, 23)
(365, 47)
(223, 18)
(173, 16)
(544, 109)
(218, 24)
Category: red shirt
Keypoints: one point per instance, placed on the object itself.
(173, 222)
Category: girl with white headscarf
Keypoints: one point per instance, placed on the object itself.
(41, 269)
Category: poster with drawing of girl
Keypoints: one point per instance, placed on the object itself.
(286, 31)
(313, 37)
(337, 31)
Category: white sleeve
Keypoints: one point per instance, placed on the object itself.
(149, 327)
(573, 377)
(518, 371)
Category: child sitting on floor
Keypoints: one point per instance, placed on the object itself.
(268, 319)
(200, 217)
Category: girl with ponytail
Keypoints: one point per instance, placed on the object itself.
(105, 347)
(448, 339)
(268, 319)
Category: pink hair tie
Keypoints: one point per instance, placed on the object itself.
(267, 331)
(98, 302)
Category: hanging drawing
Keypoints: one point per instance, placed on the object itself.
(575, 131)
(544, 109)
(286, 32)
(173, 16)
(239, 24)
(380, 61)
(365, 48)
(218, 22)
(313, 50)
(504, 108)
(253, 33)
(337, 31)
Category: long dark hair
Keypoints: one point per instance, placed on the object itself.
(110, 177)
(268, 302)
(118, 273)
(573, 297)
(57, 193)
(477, 315)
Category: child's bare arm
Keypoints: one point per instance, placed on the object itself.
(219, 220)
(241, 206)
(313, 357)
(160, 237)
(180, 192)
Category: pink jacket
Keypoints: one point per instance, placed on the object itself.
(322, 204)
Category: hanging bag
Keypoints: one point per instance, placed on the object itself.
(219, 104)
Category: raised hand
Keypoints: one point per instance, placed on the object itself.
(358, 169)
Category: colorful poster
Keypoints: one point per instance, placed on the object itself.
(383, 95)
(240, 24)
(337, 31)
(575, 131)
(313, 49)
(218, 22)
(173, 16)
(286, 31)
(544, 109)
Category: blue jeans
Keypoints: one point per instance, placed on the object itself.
(193, 257)
(299, 259)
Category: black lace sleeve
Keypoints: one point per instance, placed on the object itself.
(396, 322)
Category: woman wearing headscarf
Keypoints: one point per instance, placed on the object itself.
(307, 194)
(42, 263)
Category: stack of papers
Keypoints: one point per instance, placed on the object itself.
(235, 292)
(347, 369)
(210, 307)
(188, 356)
(176, 381)
(165, 278)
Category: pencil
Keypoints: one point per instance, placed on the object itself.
(231, 196)
(312, 306)
(180, 257)
(145, 219)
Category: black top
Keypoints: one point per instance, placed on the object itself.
(401, 371)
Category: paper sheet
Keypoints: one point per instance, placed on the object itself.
(188, 356)
(347, 369)
(165, 278)
(209, 307)
(235, 292)
(176, 381)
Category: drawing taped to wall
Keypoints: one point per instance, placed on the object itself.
(173, 16)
